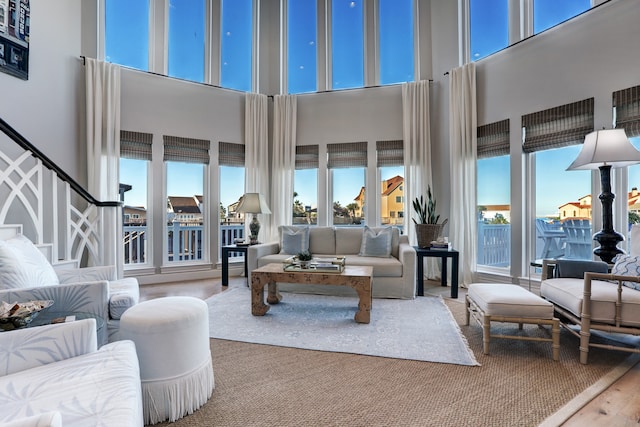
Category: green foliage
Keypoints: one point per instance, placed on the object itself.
(498, 219)
(305, 256)
(426, 209)
(634, 218)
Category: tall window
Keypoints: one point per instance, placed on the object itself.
(626, 104)
(347, 44)
(547, 13)
(127, 33)
(562, 198)
(187, 39)
(302, 46)
(135, 157)
(396, 41)
(236, 44)
(489, 22)
(348, 163)
(231, 178)
(186, 161)
(390, 161)
(493, 195)
(305, 185)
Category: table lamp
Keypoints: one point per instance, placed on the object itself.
(604, 149)
(255, 204)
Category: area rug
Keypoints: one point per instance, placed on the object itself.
(420, 329)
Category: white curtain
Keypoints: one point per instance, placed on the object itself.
(285, 109)
(416, 129)
(103, 148)
(256, 145)
(463, 143)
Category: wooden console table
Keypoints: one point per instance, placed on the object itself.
(359, 278)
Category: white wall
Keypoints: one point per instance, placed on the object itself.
(48, 109)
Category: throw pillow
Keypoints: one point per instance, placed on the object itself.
(22, 265)
(376, 243)
(627, 265)
(293, 240)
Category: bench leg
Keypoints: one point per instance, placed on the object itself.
(486, 333)
(555, 339)
(467, 313)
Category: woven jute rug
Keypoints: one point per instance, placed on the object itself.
(518, 384)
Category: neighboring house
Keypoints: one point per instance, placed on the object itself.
(360, 201)
(232, 214)
(392, 200)
(490, 212)
(135, 215)
(576, 210)
(184, 210)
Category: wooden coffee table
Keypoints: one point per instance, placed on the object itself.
(357, 277)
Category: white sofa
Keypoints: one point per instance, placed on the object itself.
(27, 273)
(393, 276)
(54, 375)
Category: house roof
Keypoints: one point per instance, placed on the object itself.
(183, 204)
(392, 184)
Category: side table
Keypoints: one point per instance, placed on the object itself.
(226, 251)
(421, 253)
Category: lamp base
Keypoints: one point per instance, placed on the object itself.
(254, 228)
(608, 245)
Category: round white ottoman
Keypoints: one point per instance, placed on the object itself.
(172, 341)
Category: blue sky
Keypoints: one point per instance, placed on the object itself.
(127, 43)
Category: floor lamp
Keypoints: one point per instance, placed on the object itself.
(255, 204)
(606, 149)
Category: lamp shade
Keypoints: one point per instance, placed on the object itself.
(253, 203)
(606, 147)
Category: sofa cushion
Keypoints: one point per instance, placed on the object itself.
(382, 267)
(293, 240)
(376, 243)
(627, 265)
(22, 265)
(569, 294)
(348, 240)
(322, 240)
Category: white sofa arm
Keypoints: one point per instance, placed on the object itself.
(255, 252)
(27, 348)
(407, 256)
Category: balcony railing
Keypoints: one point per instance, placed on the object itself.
(494, 244)
(184, 242)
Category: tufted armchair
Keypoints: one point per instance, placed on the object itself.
(26, 274)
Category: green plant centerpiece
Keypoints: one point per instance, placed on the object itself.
(304, 258)
(427, 227)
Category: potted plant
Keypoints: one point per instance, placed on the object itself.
(304, 258)
(427, 227)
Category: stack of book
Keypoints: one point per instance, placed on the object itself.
(440, 246)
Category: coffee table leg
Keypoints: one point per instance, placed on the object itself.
(363, 315)
(258, 307)
(273, 297)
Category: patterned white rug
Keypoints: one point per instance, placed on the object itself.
(420, 329)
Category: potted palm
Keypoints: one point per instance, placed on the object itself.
(427, 227)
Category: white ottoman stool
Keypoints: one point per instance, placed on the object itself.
(489, 302)
(172, 341)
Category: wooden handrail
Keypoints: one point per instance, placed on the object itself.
(49, 164)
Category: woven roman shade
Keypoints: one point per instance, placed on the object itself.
(188, 150)
(135, 145)
(558, 127)
(627, 110)
(493, 139)
(390, 153)
(307, 157)
(347, 155)
(230, 154)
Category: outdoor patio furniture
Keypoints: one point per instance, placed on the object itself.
(578, 239)
(552, 237)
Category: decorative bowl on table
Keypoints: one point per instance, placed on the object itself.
(20, 314)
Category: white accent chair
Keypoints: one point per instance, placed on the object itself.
(55, 374)
(27, 273)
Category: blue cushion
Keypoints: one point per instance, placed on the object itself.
(376, 243)
(293, 240)
(627, 265)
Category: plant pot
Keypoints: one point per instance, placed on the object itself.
(427, 233)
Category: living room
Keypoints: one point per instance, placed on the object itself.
(590, 56)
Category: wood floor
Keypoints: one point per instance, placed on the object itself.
(618, 405)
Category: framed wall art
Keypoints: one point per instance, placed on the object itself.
(14, 37)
